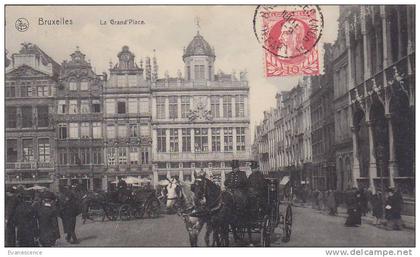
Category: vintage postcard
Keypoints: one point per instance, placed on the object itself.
(209, 125)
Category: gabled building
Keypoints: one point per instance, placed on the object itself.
(79, 124)
(31, 83)
(127, 117)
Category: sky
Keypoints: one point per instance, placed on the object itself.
(167, 29)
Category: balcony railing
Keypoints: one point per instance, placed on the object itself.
(199, 84)
(29, 165)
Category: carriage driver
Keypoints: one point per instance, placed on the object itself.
(237, 182)
(257, 185)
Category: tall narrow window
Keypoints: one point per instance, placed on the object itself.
(73, 106)
(122, 131)
(62, 108)
(110, 106)
(96, 106)
(121, 108)
(145, 156)
(134, 130)
(160, 107)
(132, 105)
(161, 140)
(173, 140)
(84, 156)
(11, 117)
(240, 139)
(186, 140)
(62, 156)
(27, 121)
(97, 129)
(84, 130)
(199, 72)
(228, 139)
(11, 155)
(10, 91)
(173, 107)
(134, 155)
(215, 139)
(62, 131)
(188, 73)
(84, 106)
(185, 106)
(28, 151)
(74, 130)
(122, 155)
(97, 155)
(112, 155)
(239, 106)
(215, 106)
(43, 116)
(227, 107)
(110, 131)
(201, 140)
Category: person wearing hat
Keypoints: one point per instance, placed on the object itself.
(25, 217)
(237, 182)
(393, 206)
(354, 208)
(10, 214)
(69, 209)
(257, 186)
(47, 213)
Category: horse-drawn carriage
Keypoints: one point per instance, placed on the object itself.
(262, 215)
(125, 204)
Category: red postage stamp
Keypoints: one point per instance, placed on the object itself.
(290, 40)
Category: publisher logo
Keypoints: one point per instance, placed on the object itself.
(22, 24)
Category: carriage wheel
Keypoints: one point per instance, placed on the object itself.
(125, 212)
(265, 232)
(287, 224)
(138, 212)
(110, 212)
(153, 208)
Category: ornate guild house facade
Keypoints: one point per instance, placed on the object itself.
(201, 119)
(31, 82)
(79, 124)
(127, 119)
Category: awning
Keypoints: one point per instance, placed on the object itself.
(284, 180)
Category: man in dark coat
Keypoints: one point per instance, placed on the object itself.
(47, 214)
(25, 217)
(257, 187)
(237, 182)
(10, 211)
(354, 208)
(393, 207)
(68, 212)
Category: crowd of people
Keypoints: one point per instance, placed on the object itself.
(32, 217)
(386, 209)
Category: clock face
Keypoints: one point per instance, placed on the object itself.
(125, 57)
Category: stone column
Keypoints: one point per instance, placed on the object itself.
(366, 64)
(168, 145)
(372, 159)
(222, 178)
(209, 141)
(105, 183)
(179, 140)
(155, 177)
(166, 108)
(233, 106)
(392, 164)
(221, 106)
(356, 164)
(181, 175)
(91, 184)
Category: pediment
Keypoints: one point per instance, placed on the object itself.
(25, 71)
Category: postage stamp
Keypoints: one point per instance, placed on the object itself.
(290, 37)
